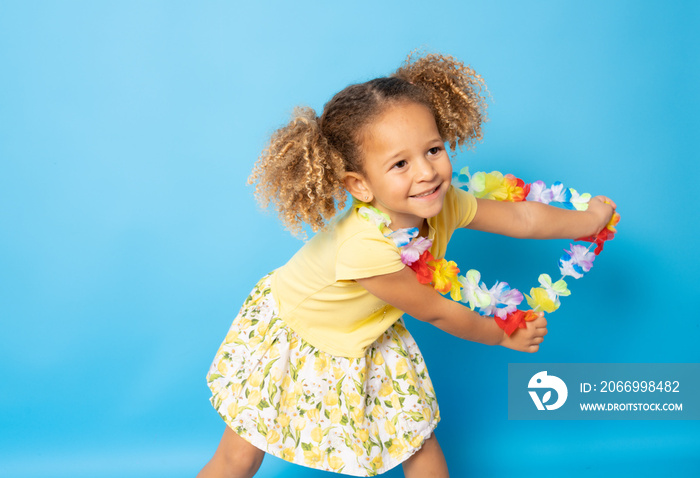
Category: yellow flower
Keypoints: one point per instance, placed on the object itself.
(313, 456)
(222, 368)
(262, 328)
(286, 382)
(231, 336)
(363, 434)
(283, 419)
(385, 389)
(426, 414)
(274, 352)
(488, 185)
(377, 462)
(272, 437)
(358, 414)
(335, 462)
(397, 448)
(321, 364)
(255, 379)
(445, 278)
(293, 342)
(354, 399)
(252, 343)
(395, 402)
(288, 454)
(317, 434)
(223, 393)
(298, 388)
(357, 449)
(337, 372)
(313, 415)
(411, 379)
(378, 412)
(288, 400)
(390, 428)
(400, 329)
(330, 399)
(244, 324)
(299, 423)
(233, 410)
(401, 367)
(378, 359)
(416, 441)
(539, 300)
(336, 415)
(514, 191)
(254, 398)
(236, 388)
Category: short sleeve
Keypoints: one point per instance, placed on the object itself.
(366, 254)
(463, 207)
(458, 210)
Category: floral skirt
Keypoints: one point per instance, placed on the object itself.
(357, 416)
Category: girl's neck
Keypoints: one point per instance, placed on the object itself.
(424, 229)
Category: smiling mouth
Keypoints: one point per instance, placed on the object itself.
(427, 193)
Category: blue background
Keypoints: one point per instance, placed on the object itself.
(128, 238)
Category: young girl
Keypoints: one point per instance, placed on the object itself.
(318, 367)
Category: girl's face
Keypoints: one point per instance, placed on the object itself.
(407, 170)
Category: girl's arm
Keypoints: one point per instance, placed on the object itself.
(402, 290)
(535, 220)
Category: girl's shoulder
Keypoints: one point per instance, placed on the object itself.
(362, 250)
(353, 230)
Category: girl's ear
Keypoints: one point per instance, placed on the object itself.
(357, 185)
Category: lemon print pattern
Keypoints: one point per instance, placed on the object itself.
(356, 416)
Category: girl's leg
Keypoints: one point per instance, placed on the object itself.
(234, 458)
(428, 462)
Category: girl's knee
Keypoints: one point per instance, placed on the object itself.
(243, 462)
(237, 457)
(429, 461)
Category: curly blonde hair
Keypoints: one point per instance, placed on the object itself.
(301, 170)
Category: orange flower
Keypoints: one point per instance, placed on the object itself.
(445, 278)
(515, 188)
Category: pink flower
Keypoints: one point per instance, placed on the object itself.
(411, 252)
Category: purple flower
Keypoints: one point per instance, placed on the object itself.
(540, 193)
(411, 252)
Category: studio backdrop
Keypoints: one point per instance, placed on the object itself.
(129, 238)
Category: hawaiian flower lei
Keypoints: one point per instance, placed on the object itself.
(501, 300)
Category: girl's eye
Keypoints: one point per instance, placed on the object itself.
(400, 164)
(434, 150)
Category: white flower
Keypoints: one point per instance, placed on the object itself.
(540, 193)
(403, 236)
(374, 216)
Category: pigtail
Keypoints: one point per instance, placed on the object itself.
(300, 174)
(457, 95)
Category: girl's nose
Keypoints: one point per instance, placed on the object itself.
(425, 170)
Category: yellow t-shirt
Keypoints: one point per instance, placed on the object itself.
(316, 291)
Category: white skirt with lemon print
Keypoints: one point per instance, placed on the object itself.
(356, 416)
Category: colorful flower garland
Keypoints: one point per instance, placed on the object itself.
(501, 300)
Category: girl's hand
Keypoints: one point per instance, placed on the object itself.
(601, 209)
(529, 338)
